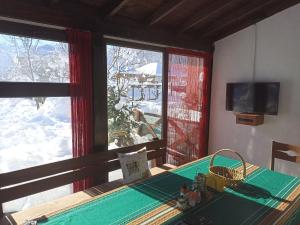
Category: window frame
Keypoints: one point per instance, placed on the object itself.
(12, 89)
(16, 89)
(148, 47)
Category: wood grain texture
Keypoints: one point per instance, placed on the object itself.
(249, 119)
(28, 89)
(202, 22)
(81, 16)
(100, 100)
(33, 31)
(50, 169)
(212, 10)
(164, 10)
(112, 8)
(246, 15)
(282, 150)
(53, 207)
(41, 178)
(65, 13)
(1, 212)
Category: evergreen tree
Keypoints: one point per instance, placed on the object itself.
(120, 119)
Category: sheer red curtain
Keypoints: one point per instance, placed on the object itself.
(80, 57)
(188, 102)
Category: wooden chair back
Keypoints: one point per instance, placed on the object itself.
(25, 182)
(285, 152)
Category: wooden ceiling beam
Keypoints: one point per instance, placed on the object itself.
(247, 11)
(254, 19)
(214, 9)
(29, 30)
(131, 30)
(64, 13)
(51, 2)
(54, 1)
(113, 8)
(68, 15)
(164, 10)
(158, 36)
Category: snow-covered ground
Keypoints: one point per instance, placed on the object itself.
(30, 137)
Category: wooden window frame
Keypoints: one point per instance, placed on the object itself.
(66, 171)
(148, 47)
(12, 89)
(32, 31)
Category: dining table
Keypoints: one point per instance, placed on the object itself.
(263, 197)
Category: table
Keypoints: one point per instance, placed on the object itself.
(266, 197)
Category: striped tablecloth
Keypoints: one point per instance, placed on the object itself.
(266, 197)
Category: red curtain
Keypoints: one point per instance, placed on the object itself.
(80, 57)
(188, 102)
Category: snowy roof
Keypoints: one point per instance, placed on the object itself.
(150, 69)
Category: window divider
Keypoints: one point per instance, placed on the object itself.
(32, 31)
(30, 89)
(165, 68)
(164, 90)
(100, 102)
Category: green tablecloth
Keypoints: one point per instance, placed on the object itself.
(258, 198)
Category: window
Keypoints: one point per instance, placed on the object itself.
(33, 60)
(134, 87)
(31, 136)
(35, 127)
(188, 93)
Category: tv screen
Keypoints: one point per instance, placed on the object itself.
(260, 97)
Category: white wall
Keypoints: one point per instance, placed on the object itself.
(278, 60)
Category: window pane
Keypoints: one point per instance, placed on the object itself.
(34, 131)
(186, 108)
(134, 95)
(33, 60)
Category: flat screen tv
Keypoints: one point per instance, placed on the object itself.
(254, 97)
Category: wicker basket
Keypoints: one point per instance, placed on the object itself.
(223, 176)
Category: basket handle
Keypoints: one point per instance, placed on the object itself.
(232, 151)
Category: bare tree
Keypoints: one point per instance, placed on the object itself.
(121, 61)
(32, 63)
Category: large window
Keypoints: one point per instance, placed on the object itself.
(33, 60)
(35, 129)
(134, 88)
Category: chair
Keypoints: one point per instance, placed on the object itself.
(285, 152)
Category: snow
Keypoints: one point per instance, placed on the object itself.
(154, 107)
(150, 69)
(115, 175)
(37, 199)
(123, 101)
(141, 79)
(37, 136)
(30, 137)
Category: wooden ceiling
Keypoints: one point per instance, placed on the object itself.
(194, 20)
(210, 19)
